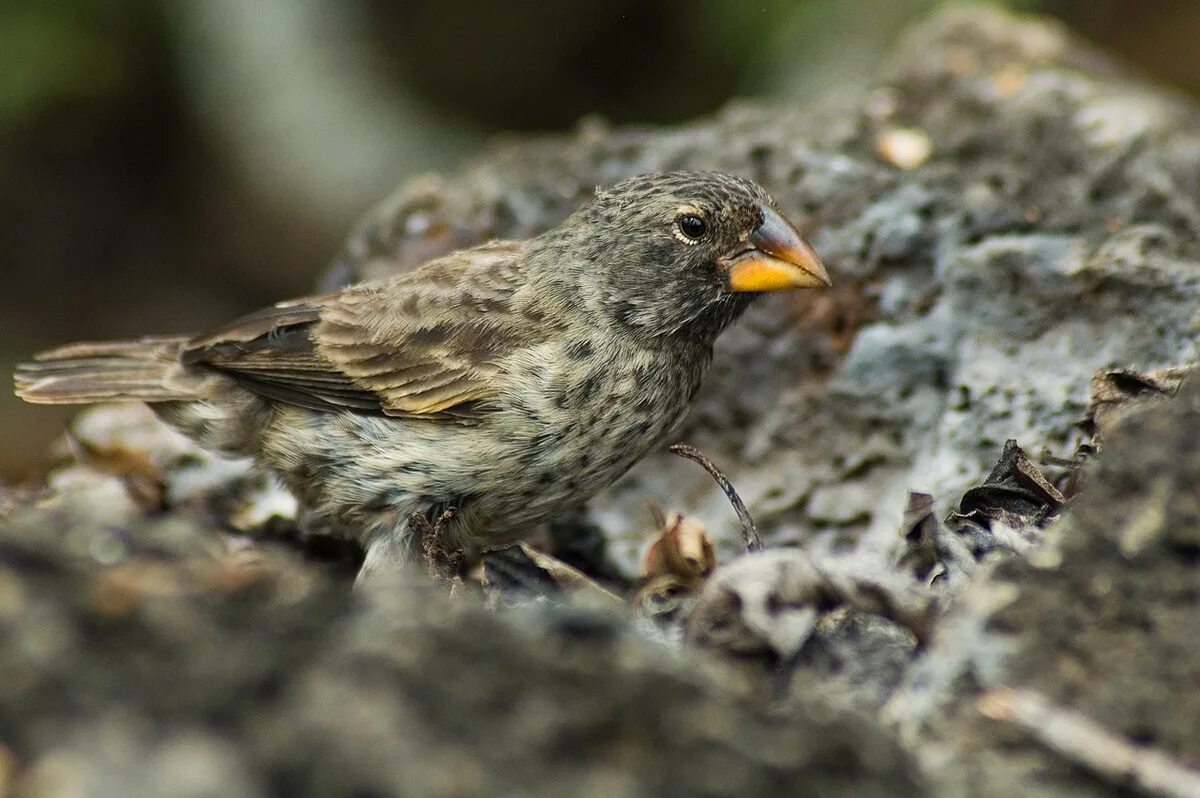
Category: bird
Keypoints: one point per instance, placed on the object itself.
(487, 390)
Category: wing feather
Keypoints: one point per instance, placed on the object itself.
(429, 344)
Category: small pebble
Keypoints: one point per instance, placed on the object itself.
(904, 147)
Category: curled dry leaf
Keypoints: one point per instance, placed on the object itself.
(1015, 495)
(675, 567)
(1006, 514)
(682, 549)
(933, 553)
(919, 528)
(1117, 392)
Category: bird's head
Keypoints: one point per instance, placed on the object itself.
(685, 252)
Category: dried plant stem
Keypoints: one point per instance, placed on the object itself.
(749, 530)
(1086, 743)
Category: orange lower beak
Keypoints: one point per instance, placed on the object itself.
(777, 259)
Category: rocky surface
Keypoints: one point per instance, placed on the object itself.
(186, 669)
(1006, 214)
(1052, 230)
(1102, 617)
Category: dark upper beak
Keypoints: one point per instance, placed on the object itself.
(776, 259)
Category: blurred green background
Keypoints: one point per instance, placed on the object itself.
(166, 164)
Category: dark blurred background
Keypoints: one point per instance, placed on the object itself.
(166, 164)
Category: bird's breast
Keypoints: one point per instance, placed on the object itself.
(582, 417)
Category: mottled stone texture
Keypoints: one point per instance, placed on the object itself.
(1052, 229)
(1104, 618)
(185, 670)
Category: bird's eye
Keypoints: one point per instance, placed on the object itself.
(692, 227)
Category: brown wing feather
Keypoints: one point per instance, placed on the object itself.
(426, 344)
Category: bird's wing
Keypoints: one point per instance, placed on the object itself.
(430, 343)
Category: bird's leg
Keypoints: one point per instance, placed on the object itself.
(444, 566)
(392, 547)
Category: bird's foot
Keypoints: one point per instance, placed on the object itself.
(443, 565)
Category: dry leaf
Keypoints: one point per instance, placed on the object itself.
(1015, 494)
(1117, 392)
(919, 528)
(675, 567)
(682, 550)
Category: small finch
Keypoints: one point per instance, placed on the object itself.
(507, 383)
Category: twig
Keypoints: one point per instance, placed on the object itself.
(749, 530)
(571, 578)
(1086, 743)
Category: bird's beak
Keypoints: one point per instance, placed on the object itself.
(775, 258)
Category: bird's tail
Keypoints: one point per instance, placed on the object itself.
(102, 372)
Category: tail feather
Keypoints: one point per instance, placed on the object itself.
(102, 372)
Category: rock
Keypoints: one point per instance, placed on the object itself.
(832, 627)
(1006, 213)
(176, 673)
(1103, 619)
(1052, 229)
